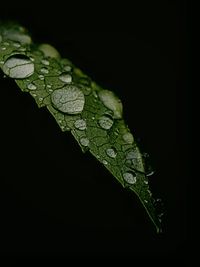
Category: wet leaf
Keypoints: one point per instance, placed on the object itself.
(93, 115)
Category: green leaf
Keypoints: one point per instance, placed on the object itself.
(91, 113)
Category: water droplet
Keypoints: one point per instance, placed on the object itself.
(104, 162)
(44, 70)
(16, 44)
(145, 201)
(34, 95)
(93, 118)
(84, 141)
(66, 78)
(67, 68)
(49, 86)
(145, 181)
(130, 177)
(18, 67)
(111, 152)
(128, 138)
(22, 49)
(49, 51)
(70, 99)
(3, 48)
(95, 94)
(1, 62)
(45, 62)
(150, 173)
(19, 37)
(80, 124)
(41, 99)
(32, 59)
(112, 102)
(31, 86)
(41, 77)
(106, 122)
(6, 43)
(149, 192)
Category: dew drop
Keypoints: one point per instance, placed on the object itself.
(128, 138)
(41, 99)
(19, 37)
(145, 201)
(49, 86)
(3, 48)
(67, 68)
(49, 51)
(111, 152)
(31, 86)
(106, 122)
(16, 44)
(45, 62)
(145, 181)
(130, 177)
(41, 77)
(44, 70)
(112, 102)
(18, 67)
(66, 78)
(84, 141)
(69, 99)
(80, 124)
(104, 162)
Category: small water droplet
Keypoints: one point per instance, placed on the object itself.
(41, 99)
(80, 124)
(112, 102)
(18, 67)
(41, 77)
(111, 152)
(49, 86)
(106, 122)
(44, 70)
(145, 181)
(1, 62)
(19, 37)
(6, 43)
(3, 48)
(95, 94)
(104, 162)
(34, 95)
(32, 59)
(128, 138)
(45, 62)
(66, 78)
(16, 44)
(31, 86)
(67, 68)
(84, 141)
(70, 99)
(22, 49)
(149, 192)
(93, 118)
(130, 177)
(145, 201)
(49, 51)
(150, 173)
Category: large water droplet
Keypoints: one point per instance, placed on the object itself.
(31, 86)
(128, 138)
(84, 141)
(104, 162)
(65, 77)
(18, 67)
(41, 77)
(130, 177)
(69, 99)
(49, 51)
(106, 122)
(80, 124)
(111, 152)
(112, 102)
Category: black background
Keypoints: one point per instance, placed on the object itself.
(56, 199)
